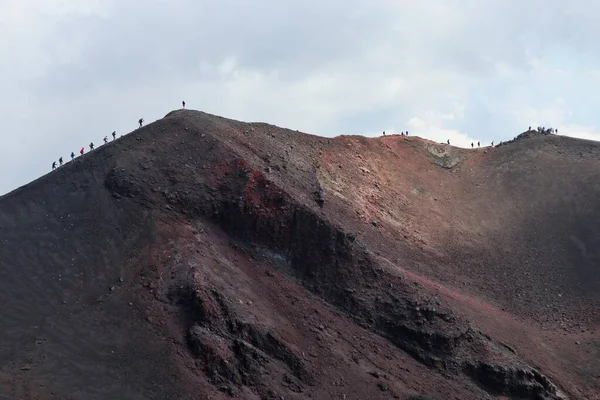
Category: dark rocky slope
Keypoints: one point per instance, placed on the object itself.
(201, 256)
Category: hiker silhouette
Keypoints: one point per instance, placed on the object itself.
(114, 135)
(141, 121)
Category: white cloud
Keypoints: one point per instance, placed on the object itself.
(581, 132)
(71, 72)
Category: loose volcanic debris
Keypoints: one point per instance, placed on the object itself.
(201, 257)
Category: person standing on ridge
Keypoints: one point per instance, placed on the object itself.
(471, 144)
(72, 156)
(105, 140)
(60, 161)
(91, 146)
(406, 133)
(448, 141)
(183, 104)
(478, 144)
(53, 165)
(114, 134)
(141, 121)
(81, 151)
(492, 143)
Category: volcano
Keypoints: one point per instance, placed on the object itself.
(200, 257)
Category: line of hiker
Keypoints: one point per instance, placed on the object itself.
(540, 129)
(82, 150)
(91, 145)
(473, 144)
(405, 133)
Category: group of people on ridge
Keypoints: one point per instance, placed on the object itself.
(472, 143)
(401, 133)
(81, 151)
(540, 129)
(91, 145)
(141, 122)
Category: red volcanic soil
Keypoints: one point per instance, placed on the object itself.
(205, 258)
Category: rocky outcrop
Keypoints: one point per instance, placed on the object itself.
(443, 156)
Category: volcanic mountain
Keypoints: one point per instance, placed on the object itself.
(204, 258)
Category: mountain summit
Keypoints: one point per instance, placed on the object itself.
(204, 258)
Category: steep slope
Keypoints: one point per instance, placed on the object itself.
(201, 256)
(517, 224)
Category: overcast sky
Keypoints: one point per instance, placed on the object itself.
(71, 72)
